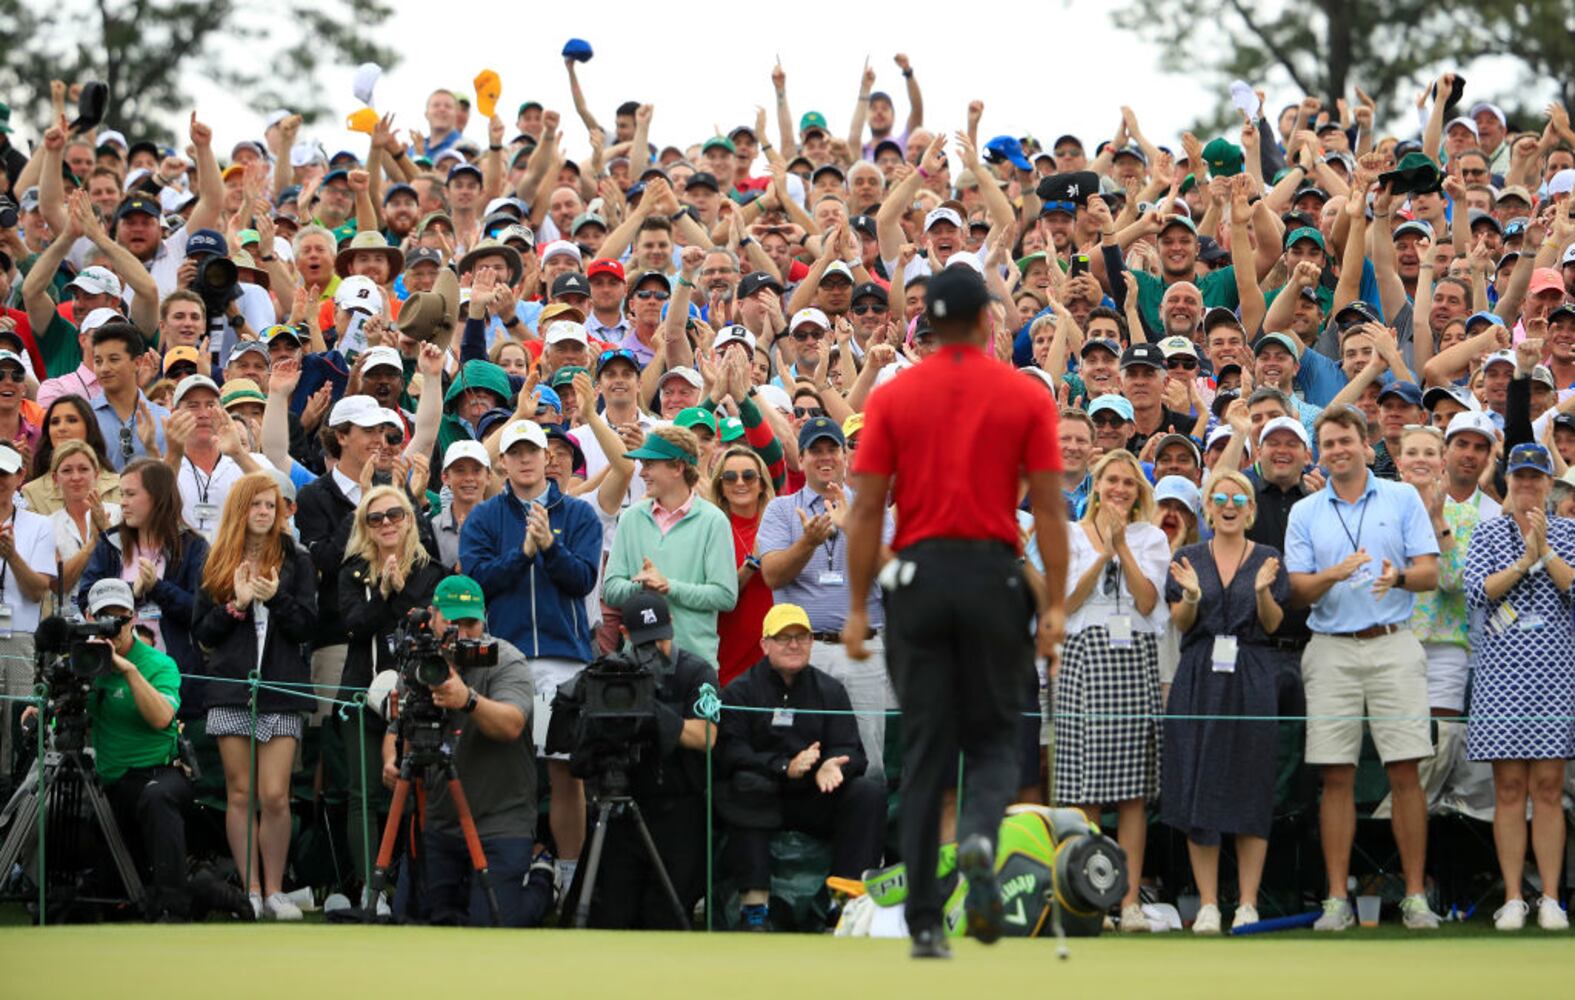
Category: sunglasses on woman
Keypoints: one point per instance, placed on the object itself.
(1239, 499)
(733, 475)
(393, 515)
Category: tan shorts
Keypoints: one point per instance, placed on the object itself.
(1385, 678)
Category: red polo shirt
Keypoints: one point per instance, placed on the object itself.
(955, 432)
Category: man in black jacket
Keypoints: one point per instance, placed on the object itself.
(670, 788)
(786, 766)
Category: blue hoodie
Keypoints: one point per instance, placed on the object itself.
(538, 603)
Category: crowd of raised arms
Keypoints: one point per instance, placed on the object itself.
(1314, 384)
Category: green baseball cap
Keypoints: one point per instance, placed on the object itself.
(1305, 233)
(1024, 262)
(696, 416)
(1223, 157)
(458, 598)
(1285, 340)
(732, 430)
(565, 375)
(718, 140)
(811, 119)
(658, 449)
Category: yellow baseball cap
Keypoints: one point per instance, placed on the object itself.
(853, 424)
(782, 617)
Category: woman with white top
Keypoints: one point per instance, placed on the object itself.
(1107, 703)
(74, 469)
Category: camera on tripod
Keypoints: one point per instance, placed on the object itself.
(606, 716)
(67, 662)
(424, 657)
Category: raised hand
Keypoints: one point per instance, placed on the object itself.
(1266, 574)
(1186, 577)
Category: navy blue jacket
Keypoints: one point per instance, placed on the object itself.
(175, 594)
(538, 604)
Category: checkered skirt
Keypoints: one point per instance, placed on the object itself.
(1104, 751)
(238, 722)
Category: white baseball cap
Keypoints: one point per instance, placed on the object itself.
(565, 329)
(810, 315)
(10, 458)
(362, 411)
(191, 382)
(360, 293)
(173, 199)
(1562, 182)
(528, 431)
(734, 334)
(557, 247)
(684, 372)
(837, 267)
(968, 260)
(111, 137)
(110, 592)
(1218, 434)
(1172, 346)
(467, 449)
(304, 154)
(776, 397)
(383, 357)
(97, 318)
(1285, 424)
(96, 281)
(942, 214)
(1499, 357)
(1472, 422)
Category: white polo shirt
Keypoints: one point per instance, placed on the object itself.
(35, 543)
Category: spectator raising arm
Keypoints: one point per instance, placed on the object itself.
(580, 107)
(789, 143)
(861, 109)
(210, 184)
(915, 97)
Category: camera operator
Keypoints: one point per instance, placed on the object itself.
(793, 768)
(669, 786)
(486, 710)
(135, 744)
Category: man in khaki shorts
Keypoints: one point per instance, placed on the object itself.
(1356, 550)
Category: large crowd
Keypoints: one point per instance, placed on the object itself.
(1315, 392)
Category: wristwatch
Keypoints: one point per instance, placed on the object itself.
(470, 703)
(1400, 581)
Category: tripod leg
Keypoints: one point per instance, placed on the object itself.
(24, 827)
(478, 858)
(117, 847)
(385, 850)
(582, 909)
(656, 863)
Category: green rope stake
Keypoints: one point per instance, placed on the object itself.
(252, 680)
(41, 699)
(709, 707)
(359, 701)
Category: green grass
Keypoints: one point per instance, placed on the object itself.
(327, 960)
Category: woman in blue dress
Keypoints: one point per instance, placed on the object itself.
(1518, 576)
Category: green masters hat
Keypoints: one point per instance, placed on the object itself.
(696, 416)
(1188, 183)
(5, 117)
(1024, 262)
(1416, 174)
(565, 375)
(458, 598)
(718, 140)
(732, 430)
(1305, 233)
(811, 119)
(658, 449)
(1223, 158)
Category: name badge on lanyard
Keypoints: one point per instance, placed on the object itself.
(5, 621)
(782, 717)
(1223, 657)
(1120, 629)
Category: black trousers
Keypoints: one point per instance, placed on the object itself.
(149, 805)
(629, 895)
(853, 817)
(960, 656)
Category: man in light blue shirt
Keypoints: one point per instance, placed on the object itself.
(1356, 551)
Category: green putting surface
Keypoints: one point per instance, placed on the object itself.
(327, 960)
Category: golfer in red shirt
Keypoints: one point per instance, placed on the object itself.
(953, 438)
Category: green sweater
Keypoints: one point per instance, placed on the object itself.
(122, 738)
(696, 557)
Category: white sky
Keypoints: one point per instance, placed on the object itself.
(703, 71)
